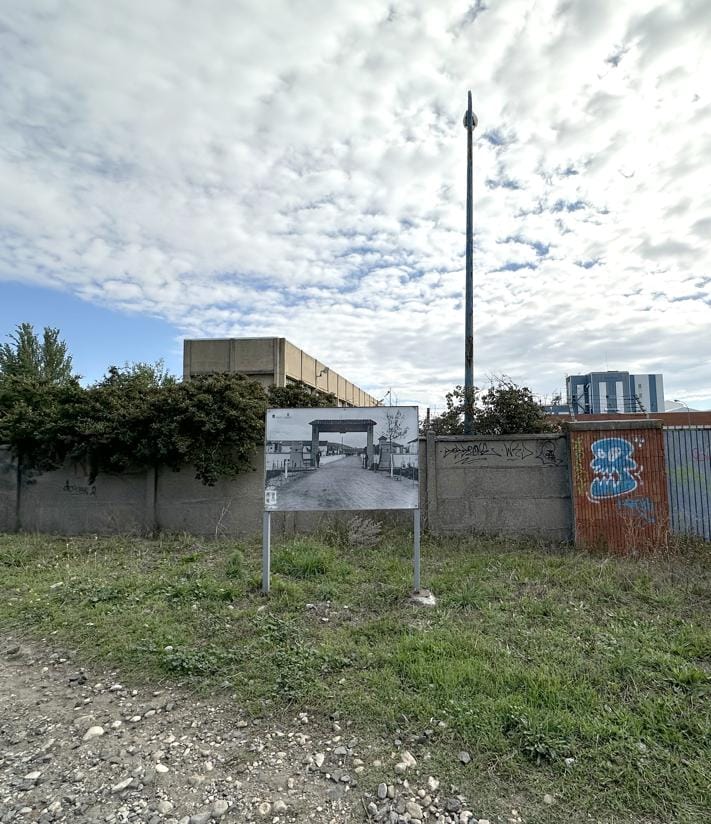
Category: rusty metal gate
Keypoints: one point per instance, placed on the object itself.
(619, 484)
(688, 459)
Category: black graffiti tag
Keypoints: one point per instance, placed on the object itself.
(546, 454)
(470, 452)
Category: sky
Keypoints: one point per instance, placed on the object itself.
(295, 424)
(229, 169)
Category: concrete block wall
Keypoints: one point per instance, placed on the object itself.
(8, 492)
(515, 485)
(64, 501)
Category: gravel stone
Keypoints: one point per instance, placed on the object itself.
(93, 732)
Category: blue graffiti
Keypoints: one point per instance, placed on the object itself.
(612, 467)
(643, 508)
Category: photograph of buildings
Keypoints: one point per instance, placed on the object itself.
(341, 458)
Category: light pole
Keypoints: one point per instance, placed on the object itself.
(470, 123)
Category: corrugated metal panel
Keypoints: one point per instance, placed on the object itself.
(619, 486)
(688, 458)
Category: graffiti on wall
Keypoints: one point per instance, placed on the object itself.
(642, 508)
(547, 453)
(511, 451)
(79, 489)
(615, 471)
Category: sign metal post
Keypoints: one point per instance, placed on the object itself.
(266, 550)
(416, 539)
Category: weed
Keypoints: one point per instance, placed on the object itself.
(532, 655)
(303, 560)
(234, 568)
(363, 533)
(537, 745)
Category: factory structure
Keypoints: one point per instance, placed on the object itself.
(271, 361)
(608, 392)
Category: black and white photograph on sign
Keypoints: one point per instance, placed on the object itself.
(341, 458)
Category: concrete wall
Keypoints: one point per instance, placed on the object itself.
(516, 485)
(8, 492)
(65, 502)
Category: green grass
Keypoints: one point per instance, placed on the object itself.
(532, 655)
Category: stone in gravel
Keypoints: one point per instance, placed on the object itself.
(93, 732)
(464, 757)
(432, 784)
(264, 809)
(116, 724)
(372, 810)
(33, 776)
(382, 791)
(413, 809)
(201, 818)
(452, 805)
(164, 807)
(13, 650)
(341, 751)
(122, 785)
(135, 718)
(408, 758)
(280, 806)
(219, 808)
(319, 758)
(161, 768)
(548, 799)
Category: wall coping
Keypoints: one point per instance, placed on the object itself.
(475, 437)
(608, 426)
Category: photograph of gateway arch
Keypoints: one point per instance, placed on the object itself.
(341, 458)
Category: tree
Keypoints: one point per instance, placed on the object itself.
(450, 422)
(509, 409)
(394, 428)
(27, 356)
(504, 409)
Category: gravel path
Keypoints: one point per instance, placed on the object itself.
(345, 484)
(86, 746)
(82, 746)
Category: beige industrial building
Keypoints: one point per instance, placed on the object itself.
(270, 361)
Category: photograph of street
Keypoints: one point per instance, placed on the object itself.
(341, 458)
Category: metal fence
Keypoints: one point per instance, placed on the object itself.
(619, 485)
(688, 462)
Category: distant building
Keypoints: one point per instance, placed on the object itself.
(608, 392)
(271, 361)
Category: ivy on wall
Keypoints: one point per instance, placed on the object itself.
(140, 417)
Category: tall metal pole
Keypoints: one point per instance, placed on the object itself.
(470, 123)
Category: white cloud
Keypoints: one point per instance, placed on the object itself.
(255, 168)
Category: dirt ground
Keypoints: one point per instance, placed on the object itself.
(86, 746)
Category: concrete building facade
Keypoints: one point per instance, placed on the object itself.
(608, 392)
(269, 361)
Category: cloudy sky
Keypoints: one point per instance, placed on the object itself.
(297, 168)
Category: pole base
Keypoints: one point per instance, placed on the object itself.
(423, 598)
